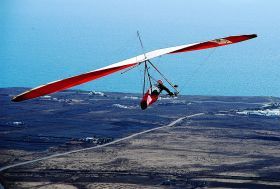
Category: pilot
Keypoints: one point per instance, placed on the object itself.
(159, 87)
(153, 93)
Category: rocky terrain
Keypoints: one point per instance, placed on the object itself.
(212, 141)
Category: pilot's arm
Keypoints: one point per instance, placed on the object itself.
(162, 87)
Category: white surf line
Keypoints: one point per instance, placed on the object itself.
(100, 146)
(228, 102)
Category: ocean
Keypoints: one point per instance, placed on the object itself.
(43, 41)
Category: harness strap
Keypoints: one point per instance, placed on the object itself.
(149, 76)
(144, 83)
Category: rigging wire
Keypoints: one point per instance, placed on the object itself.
(144, 83)
(139, 37)
(146, 70)
(138, 63)
(173, 86)
(197, 69)
(146, 75)
(130, 68)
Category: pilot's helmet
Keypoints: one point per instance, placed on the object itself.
(159, 82)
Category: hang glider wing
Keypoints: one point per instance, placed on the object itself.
(95, 74)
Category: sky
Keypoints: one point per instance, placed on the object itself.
(46, 40)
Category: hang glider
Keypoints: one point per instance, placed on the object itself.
(95, 74)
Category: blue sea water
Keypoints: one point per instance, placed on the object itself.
(46, 40)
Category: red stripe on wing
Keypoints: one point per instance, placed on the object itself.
(216, 43)
(67, 83)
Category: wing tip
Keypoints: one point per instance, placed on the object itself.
(17, 99)
(253, 36)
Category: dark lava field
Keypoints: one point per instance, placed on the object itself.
(234, 142)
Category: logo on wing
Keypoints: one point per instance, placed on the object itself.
(222, 41)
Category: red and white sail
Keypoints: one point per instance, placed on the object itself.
(95, 74)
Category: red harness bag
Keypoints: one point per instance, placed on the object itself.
(150, 97)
